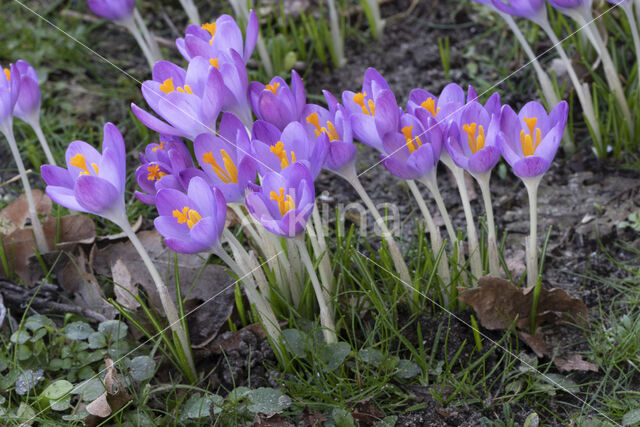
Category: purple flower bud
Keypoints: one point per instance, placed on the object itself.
(9, 90)
(529, 140)
(472, 141)
(534, 10)
(277, 150)
(192, 222)
(285, 200)
(334, 123)
(92, 182)
(189, 101)
(114, 10)
(27, 107)
(374, 111)
(277, 103)
(215, 39)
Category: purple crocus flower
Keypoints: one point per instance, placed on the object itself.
(472, 141)
(374, 111)
(162, 164)
(227, 160)
(535, 10)
(334, 123)
(530, 139)
(566, 6)
(192, 222)
(412, 151)
(278, 150)
(114, 10)
(27, 107)
(277, 103)
(214, 39)
(189, 101)
(9, 91)
(92, 182)
(285, 200)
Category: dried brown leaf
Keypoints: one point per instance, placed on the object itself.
(498, 303)
(575, 362)
(536, 342)
(114, 398)
(14, 216)
(124, 288)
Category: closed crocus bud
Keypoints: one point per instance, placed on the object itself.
(216, 38)
(530, 139)
(189, 101)
(27, 107)
(284, 201)
(276, 151)
(534, 10)
(335, 124)
(277, 103)
(9, 90)
(374, 111)
(192, 222)
(93, 182)
(114, 10)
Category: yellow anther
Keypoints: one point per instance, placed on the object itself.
(186, 89)
(359, 97)
(211, 28)
(430, 106)
(273, 88)
(154, 173)
(187, 215)
(167, 85)
(527, 141)
(475, 142)
(7, 73)
(158, 147)
(214, 62)
(279, 151)
(331, 132)
(313, 119)
(285, 203)
(228, 174)
(80, 162)
(412, 143)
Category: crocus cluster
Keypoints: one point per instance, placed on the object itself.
(259, 148)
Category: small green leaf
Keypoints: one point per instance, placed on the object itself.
(27, 381)
(61, 404)
(57, 390)
(334, 354)
(23, 351)
(268, 401)
(199, 406)
(141, 368)
(39, 321)
(631, 418)
(78, 331)
(294, 341)
(97, 340)
(113, 329)
(407, 369)
(371, 355)
(20, 337)
(342, 418)
(533, 420)
(89, 390)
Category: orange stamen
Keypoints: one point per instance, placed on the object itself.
(476, 143)
(412, 143)
(154, 173)
(273, 88)
(430, 106)
(188, 215)
(285, 203)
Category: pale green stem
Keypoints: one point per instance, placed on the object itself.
(628, 10)
(483, 182)
(436, 239)
(532, 241)
(191, 11)
(150, 40)
(472, 234)
(43, 141)
(336, 36)
(263, 285)
(323, 251)
(326, 315)
(583, 95)
(169, 307)
(41, 242)
(296, 276)
(378, 23)
(431, 182)
(130, 25)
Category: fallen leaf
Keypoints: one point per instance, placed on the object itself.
(536, 343)
(575, 362)
(14, 216)
(114, 398)
(365, 413)
(124, 288)
(204, 286)
(498, 303)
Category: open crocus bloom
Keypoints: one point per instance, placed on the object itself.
(275, 150)
(9, 90)
(192, 222)
(277, 103)
(227, 160)
(216, 38)
(530, 139)
(27, 106)
(285, 200)
(189, 101)
(161, 166)
(472, 141)
(374, 111)
(335, 124)
(412, 152)
(114, 10)
(92, 182)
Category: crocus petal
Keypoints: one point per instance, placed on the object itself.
(154, 123)
(251, 36)
(484, 160)
(529, 167)
(56, 176)
(64, 196)
(95, 194)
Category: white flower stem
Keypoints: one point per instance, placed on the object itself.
(43, 141)
(41, 242)
(323, 251)
(436, 240)
(394, 250)
(326, 315)
(633, 25)
(336, 36)
(170, 310)
(472, 234)
(191, 11)
(583, 95)
(296, 276)
(431, 182)
(494, 263)
(151, 42)
(532, 241)
(130, 25)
